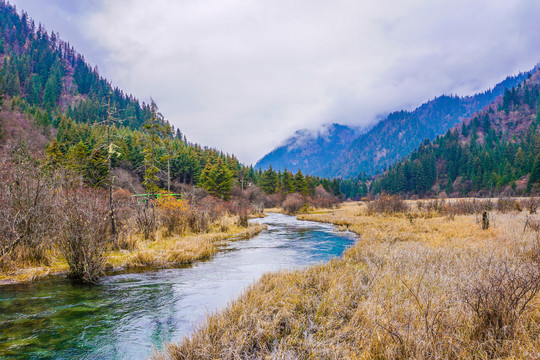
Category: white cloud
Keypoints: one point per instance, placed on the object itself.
(244, 75)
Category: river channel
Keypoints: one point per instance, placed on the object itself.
(126, 315)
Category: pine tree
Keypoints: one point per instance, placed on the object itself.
(53, 88)
(222, 178)
(154, 130)
(300, 184)
(217, 179)
(534, 177)
(169, 152)
(95, 170)
(269, 181)
(205, 181)
(12, 84)
(55, 156)
(287, 185)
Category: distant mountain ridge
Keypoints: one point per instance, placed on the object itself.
(496, 150)
(310, 151)
(347, 152)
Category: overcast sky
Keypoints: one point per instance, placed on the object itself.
(244, 75)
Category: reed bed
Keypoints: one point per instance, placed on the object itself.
(416, 285)
(160, 251)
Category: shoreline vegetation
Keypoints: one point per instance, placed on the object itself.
(163, 252)
(427, 279)
(54, 223)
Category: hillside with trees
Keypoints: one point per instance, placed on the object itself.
(497, 150)
(345, 152)
(73, 152)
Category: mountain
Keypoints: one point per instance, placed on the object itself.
(495, 150)
(56, 102)
(53, 102)
(341, 151)
(310, 151)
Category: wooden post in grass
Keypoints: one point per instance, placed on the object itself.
(485, 220)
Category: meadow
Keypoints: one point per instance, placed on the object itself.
(425, 280)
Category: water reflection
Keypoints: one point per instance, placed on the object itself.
(127, 314)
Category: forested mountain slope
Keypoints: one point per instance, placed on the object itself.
(346, 153)
(46, 81)
(310, 152)
(60, 105)
(495, 150)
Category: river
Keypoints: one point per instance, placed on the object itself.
(126, 315)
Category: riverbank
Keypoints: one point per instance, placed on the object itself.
(417, 284)
(162, 252)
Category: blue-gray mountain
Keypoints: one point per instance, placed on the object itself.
(342, 151)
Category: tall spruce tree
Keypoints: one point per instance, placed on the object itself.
(153, 128)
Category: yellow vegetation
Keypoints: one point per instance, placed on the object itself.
(164, 251)
(177, 250)
(416, 285)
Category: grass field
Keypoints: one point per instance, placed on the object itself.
(418, 284)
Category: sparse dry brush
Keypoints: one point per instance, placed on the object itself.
(428, 289)
(27, 192)
(84, 232)
(51, 223)
(294, 203)
(387, 204)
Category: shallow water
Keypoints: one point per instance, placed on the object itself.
(127, 315)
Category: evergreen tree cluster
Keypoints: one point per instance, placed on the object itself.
(145, 153)
(47, 72)
(492, 150)
(48, 80)
(286, 182)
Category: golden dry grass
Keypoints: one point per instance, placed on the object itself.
(176, 250)
(162, 252)
(408, 289)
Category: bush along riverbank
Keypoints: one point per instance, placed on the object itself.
(52, 223)
(426, 280)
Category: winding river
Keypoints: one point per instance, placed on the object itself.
(127, 315)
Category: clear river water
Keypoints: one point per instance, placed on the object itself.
(127, 315)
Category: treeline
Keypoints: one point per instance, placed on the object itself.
(48, 73)
(489, 153)
(286, 182)
(45, 78)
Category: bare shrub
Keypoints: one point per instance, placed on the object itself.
(237, 192)
(192, 194)
(27, 191)
(84, 232)
(243, 220)
(242, 208)
(437, 206)
(530, 204)
(198, 221)
(323, 199)
(501, 296)
(387, 204)
(467, 207)
(505, 205)
(125, 180)
(215, 208)
(256, 197)
(172, 214)
(294, 203)
(274, 200)
(145, 219)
